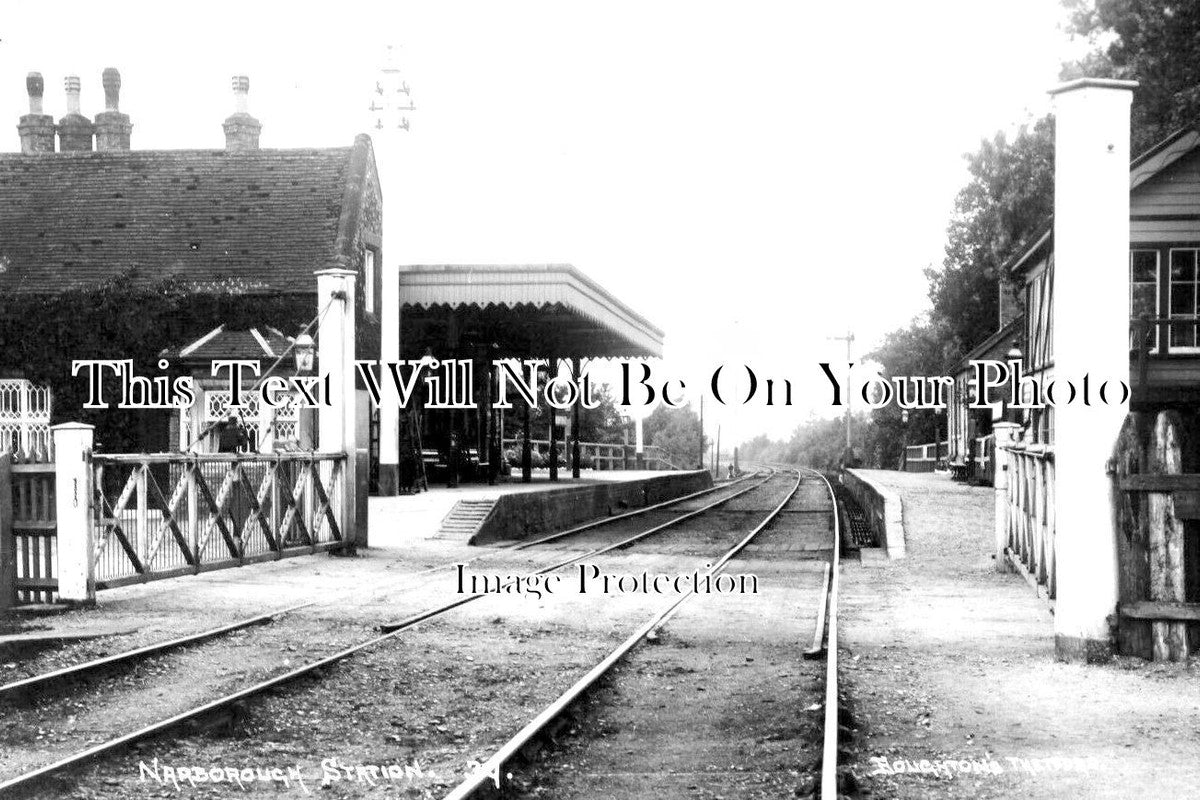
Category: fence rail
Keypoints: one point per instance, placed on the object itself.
(1030, 513)
(159, 516)
(600, 456)
(136, 518)
(29, 553)
(925, 457)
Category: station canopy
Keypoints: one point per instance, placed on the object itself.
(525, 311)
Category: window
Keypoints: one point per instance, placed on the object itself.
(1143, 290)
(1183, 297)
(369, 280)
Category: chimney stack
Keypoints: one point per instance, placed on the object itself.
(36, 128)
(75, 131)
(241, 129)
(112, 127)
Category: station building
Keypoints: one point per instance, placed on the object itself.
(241, 231)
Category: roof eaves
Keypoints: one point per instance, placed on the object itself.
(353, 199)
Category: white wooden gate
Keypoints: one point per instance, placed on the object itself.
(164, 515)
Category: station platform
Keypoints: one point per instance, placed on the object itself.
(403, 519)
(948, 660)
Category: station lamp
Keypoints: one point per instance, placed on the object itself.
(305, 352)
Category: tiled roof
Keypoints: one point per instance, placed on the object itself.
(264, 219)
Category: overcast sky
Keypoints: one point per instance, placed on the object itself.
(751, 176)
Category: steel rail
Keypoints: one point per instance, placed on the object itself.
(75, 670)
(829, 745)
(152, 649)
(577, 529)
(626, 542)
(493, 769)
(607, 520)
(389, 631)
(818, 642)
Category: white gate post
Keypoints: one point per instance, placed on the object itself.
(389, 408)
(72, 510)
(1005, 434)
(335, 424)
(1091, 336)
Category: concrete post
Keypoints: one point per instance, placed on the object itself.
(1006, 434)
(389, 409)
(336, 427)
(72, 509)
(1091, 336)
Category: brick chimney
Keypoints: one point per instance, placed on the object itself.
(75, 131)
(36, 128)
(241, 129)
(112, 127)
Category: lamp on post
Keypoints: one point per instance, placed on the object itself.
(904, 439)
(305, 353)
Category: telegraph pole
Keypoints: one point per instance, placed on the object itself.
(849, 340)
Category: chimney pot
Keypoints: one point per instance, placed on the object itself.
(72, 84)
(75, 131)
(36, 87)
(241, 129)
(36, 128)
(112, 89)
(112, 127)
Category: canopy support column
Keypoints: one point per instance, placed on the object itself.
(553, 425)
(526, 452)
(576, 369)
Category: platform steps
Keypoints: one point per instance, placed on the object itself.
(465, 519)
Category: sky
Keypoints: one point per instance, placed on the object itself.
(753, 177)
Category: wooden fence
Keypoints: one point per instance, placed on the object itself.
(925, 457)
(162, 515)
(1158, 548)
(27, 542)
(599, 456)
(1030, 514)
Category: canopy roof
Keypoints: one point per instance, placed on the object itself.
(263, 343)
(532, 311)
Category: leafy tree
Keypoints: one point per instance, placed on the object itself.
(1153, 42)
(1009, 196)
(603, 424)
(676, 430)
(817, 442)
(918, 350)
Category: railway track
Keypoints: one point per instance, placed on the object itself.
(611, 773)
(29, 686)
(701, 503)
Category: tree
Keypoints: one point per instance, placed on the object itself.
(1153, 42)
(602, 424)
(677, 431)
(1009, 196)
(918, 350)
